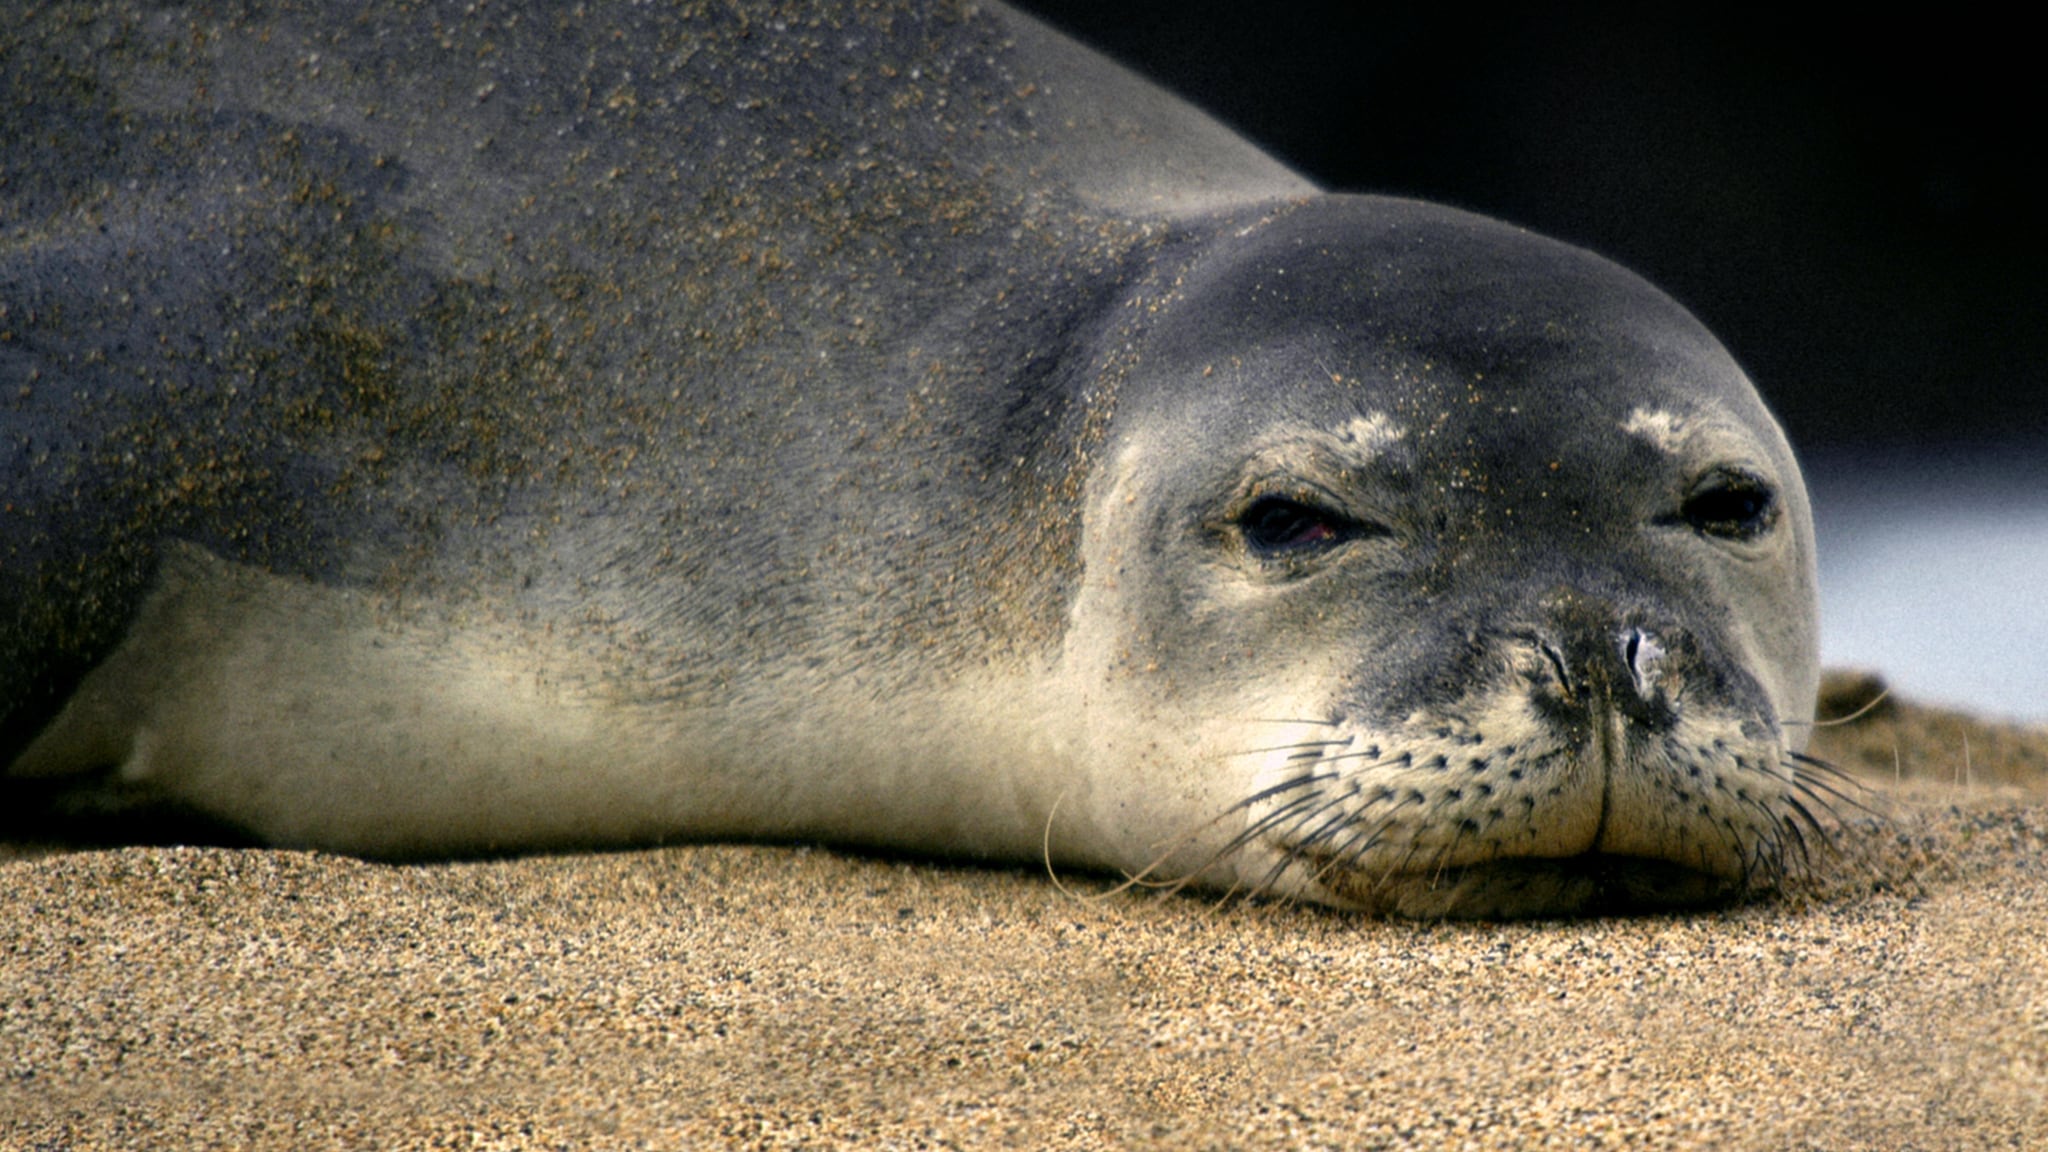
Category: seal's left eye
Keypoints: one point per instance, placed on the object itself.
(1732, 505)
(1275, 525)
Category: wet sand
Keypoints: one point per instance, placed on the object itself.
(782, 997)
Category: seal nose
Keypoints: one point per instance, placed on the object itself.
(1592, 660)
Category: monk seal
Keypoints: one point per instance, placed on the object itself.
(438, 430)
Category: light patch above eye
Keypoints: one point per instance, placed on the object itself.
(1324, 451)
(1373, 432)
(1660, 426)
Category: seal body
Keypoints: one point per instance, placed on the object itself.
(442, 431)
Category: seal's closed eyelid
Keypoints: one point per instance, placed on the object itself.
(1729, 503)
(1275, 525)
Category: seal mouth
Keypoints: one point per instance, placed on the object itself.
(1545, 828)
(1591, 884)
(1603, 768)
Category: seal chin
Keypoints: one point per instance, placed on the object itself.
(1594, 884)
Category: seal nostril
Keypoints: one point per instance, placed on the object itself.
(1558, 666)
(1642, 655)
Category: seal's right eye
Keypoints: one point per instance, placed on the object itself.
(1275, 525)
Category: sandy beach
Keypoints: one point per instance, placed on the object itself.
(764, 996)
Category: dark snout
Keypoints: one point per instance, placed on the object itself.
(1598, 657)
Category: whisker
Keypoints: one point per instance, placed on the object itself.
(1823, 791)
(1287, 785)
(1369, 752)
(1229, 894)
(1819, 829)
(1768, 860)
(1236, 842)
(1296, 814)
(1351, 853)
(1809, 765)
(1343, 815)
(1324, 834)
(1790, 834)
(1734, 837)
(1051, 872)
(1232, 845)
(1290, 747)
(1829, 800)
(1401, 866)
(1851, 718)
(1807, 760)
(1298, 845)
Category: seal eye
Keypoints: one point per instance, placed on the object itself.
(1731, 505)
(1275, 525)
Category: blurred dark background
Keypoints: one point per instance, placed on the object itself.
(1854, 205)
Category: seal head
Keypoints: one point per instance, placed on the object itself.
(1477, 555)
